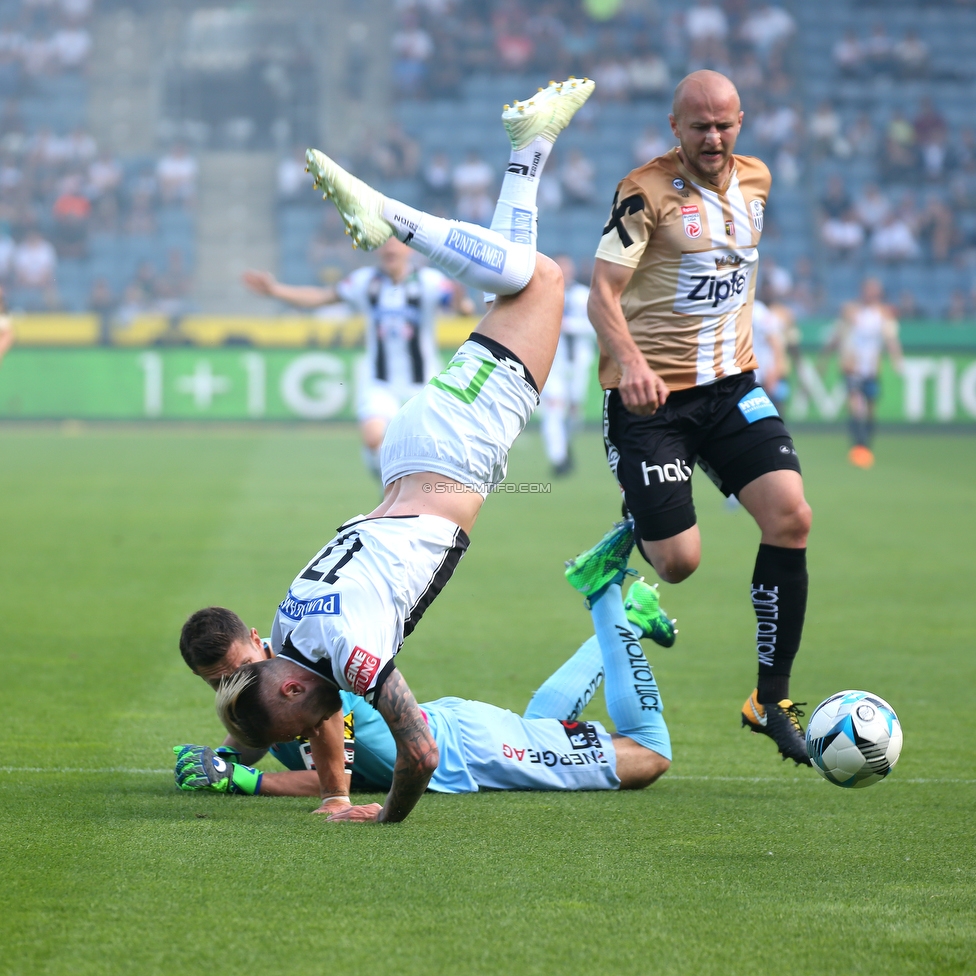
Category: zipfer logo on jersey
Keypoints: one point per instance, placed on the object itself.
(679, 471)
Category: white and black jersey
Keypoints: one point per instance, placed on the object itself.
(349, 610)
(401, 346)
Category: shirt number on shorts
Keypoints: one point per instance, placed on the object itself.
(447, 381)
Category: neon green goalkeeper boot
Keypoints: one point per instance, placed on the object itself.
(591, 572)
(643, 609)
(359, 205)
(547, 112)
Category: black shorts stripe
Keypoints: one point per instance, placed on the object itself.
(445, 570)
(322, 667)
(501, 352)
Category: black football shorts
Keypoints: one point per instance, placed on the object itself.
(730, 429)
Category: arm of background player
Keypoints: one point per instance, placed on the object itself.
(416, 754)
(328, 753)
(641, 389)
(302, 296)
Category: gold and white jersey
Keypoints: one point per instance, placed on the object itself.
(694, 251)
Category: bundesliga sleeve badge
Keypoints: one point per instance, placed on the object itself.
(692, 221)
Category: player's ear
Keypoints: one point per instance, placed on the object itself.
(256, 639)
(292, 689)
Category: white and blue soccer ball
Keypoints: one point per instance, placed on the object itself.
(854, 739)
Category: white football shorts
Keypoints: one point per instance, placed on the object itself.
(376, 398)
(464, 421)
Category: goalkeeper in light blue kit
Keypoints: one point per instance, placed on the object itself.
(481, 745)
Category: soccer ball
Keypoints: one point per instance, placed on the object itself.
(854, 738)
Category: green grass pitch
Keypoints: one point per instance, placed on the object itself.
(735, 863)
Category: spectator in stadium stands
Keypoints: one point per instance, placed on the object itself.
(141, 219)
(35, 262)
(473, 180)
(911, 56)
(7, 247)
(513, 44)
(436, 176)
(291, 176)
(862, 136)
(648, 72)
(842, 235)
(133, 305)
(929, 123)
(747, 74)
(104, 176)
(871, 207)
(649, 145)
(908, 307)
(550, 194)
(836, 200)
(878, 50)
(894, 242)
(962, 154)
(72, 217)
(804, 298)
(958, 308)
(767, 29)
(71, 46)
(611, 75)
(776, 125)
(578, 175)
(101, 301)
(849, 55)
(899, 159)
(177, 175)
(824, 131)
(412, 49)
(787, 165)
(937, 229)
(708, 29)
(396, 155)
(173, 286)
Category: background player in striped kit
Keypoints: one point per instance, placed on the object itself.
(864, 331)
(565, 391)
(399, 302)
(671, 302)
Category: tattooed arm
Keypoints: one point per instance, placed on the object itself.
(416, 759)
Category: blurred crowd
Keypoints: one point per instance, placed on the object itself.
(639, 54)
(41, 38)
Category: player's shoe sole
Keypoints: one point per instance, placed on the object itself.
(643, 609)
(547, 112)
(605, 563)
(781, 722)
(359, 205)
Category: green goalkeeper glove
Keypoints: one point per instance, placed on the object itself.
(201, 768)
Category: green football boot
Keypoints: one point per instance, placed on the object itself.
(643, 608)
(359, 205)
(591, 572)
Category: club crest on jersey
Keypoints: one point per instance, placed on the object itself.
(756, 209)
(678, 184)
(328, 605)
(692, 221)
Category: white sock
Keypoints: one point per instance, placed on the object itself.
(516, 216)
(477, 257)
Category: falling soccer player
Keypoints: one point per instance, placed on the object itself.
(347, 613)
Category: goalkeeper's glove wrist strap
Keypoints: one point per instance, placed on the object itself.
(245, 780)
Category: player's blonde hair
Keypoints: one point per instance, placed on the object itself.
(241, 709)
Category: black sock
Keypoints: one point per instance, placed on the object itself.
(779, 596)
(859, 434)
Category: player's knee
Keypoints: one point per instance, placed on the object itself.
(653, 768)
(673, 567)
(547, 274)
(795, 523)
